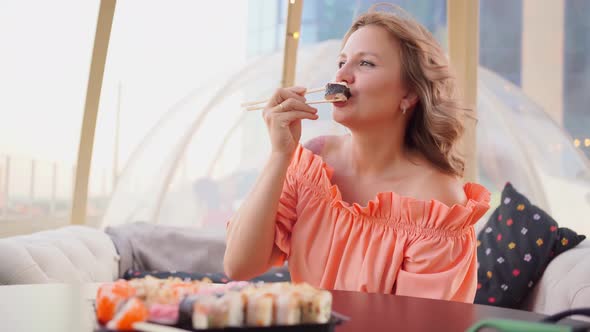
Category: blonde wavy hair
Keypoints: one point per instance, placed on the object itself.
(436, 123)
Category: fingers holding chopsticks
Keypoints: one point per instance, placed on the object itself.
(287, 105)
(259, 104)
(283, 115)
(282, 94)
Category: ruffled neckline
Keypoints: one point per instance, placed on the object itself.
(384, 203)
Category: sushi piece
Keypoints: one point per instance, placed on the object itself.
(110, 297)
(288, 309)
(203, 306)
(259, 309)
(133, 311)
(166, 314)
(228, 311)
(185, 311)
(179, 290)
(236, 285)
(221, 289)
(169, 291)
(164, 291)
(146, 288)
(337, 91)
(316, 307)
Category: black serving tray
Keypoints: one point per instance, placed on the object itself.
(328, 327)
(185, 322)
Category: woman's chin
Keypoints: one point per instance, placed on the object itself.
(343, 116)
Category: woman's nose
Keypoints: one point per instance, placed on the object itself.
(344, 74)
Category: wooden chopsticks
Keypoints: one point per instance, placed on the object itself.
(260, 104)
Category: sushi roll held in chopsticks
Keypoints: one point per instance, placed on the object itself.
(334, 92)
(337, 91)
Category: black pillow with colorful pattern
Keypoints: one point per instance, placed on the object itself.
(514, 248)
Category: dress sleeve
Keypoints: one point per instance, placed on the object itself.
(302, 163)
(285, 220)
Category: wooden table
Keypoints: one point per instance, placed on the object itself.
(64, 308)
(380, 312)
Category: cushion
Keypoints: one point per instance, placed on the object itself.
(514, 248)
(151, 247)
(71, 254)
(169, 251)
(276, 274)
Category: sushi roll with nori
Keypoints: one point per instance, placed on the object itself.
(288, 309)
(259, 311)
(316, 306)
(203, 307)
(337, 91)
(228, 311)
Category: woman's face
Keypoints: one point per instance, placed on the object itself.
(370, 63)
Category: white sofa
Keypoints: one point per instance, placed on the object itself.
(565, 283)
(77, 254)
(72, 254)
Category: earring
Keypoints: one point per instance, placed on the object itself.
(404, 109)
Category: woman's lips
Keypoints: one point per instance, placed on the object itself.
(342, 103)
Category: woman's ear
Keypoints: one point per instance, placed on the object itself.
(409, 100)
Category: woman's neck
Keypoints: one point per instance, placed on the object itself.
(375, 152)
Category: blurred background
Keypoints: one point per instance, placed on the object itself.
(172, 146)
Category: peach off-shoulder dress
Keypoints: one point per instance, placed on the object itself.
(394, 244)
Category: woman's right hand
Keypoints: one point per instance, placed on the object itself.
(283, 115)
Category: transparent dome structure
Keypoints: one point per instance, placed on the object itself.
(199, 161)
(518, 142)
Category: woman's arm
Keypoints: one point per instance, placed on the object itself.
(251, 232)
(250, 235)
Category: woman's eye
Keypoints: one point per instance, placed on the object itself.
(340, 64)
(367, 63)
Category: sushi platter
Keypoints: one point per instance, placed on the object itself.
(146, 304)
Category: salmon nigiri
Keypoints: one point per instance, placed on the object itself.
(133, 311)
(109, 297)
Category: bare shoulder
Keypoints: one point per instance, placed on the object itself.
(316, 144)
(446, 188)
(322, 145)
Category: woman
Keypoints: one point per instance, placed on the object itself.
(379, 210)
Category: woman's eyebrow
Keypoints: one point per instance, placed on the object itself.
(343, 55)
